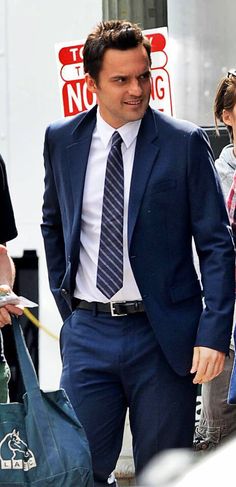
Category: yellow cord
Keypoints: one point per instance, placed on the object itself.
(37, 323)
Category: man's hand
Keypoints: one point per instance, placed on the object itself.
(7, 275)
(6, 311)
(207, 363)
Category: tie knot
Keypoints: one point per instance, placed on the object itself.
(116, 139)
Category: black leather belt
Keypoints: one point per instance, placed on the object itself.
(114, 308)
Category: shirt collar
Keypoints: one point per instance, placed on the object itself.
(128, 132)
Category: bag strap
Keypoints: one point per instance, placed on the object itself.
(25, 362)
(39, 410)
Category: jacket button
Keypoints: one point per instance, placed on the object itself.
(64, 291)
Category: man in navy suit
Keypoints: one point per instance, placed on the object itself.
(147, 346)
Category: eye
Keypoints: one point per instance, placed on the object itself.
(121, 79)
(145, 76)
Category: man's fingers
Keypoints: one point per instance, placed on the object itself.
(195, 362)
(7, 311)
(201, 371)
(5, 317)
(15, 310)
(210, 364)
(206, 376)
(213, 370)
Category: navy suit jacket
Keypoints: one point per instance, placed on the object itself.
(175, 196)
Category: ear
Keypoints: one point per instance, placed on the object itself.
(91, 83)
(227, 117)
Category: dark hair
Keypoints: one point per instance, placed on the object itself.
(225, 99)
(112, 34)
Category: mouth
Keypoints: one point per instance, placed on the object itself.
(133, 102)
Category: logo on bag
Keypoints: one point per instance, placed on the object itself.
(15, 454)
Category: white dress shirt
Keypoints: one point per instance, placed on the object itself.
(92, 212)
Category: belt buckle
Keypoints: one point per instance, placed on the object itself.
(112, 308)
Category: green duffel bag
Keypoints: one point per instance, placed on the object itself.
(42, 442)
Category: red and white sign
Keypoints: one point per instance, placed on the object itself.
(75, 96)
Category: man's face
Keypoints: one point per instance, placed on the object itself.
(124, 85)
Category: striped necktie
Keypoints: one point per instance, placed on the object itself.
(110, 257)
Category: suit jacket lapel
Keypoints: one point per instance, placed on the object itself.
(147, 149)
(77, 157)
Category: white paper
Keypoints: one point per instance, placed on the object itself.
(12, 298)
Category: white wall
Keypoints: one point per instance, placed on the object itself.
(29, 100)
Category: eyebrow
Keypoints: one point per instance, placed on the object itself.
(147, 71)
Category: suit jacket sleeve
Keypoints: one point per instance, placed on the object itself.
(213, 239)
(52, 232)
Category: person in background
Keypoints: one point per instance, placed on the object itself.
(218, 418)
(7, 272)
(126, 189)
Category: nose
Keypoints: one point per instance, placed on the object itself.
(135, 87)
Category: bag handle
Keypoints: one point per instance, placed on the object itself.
(39, 411)
(29, 376)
